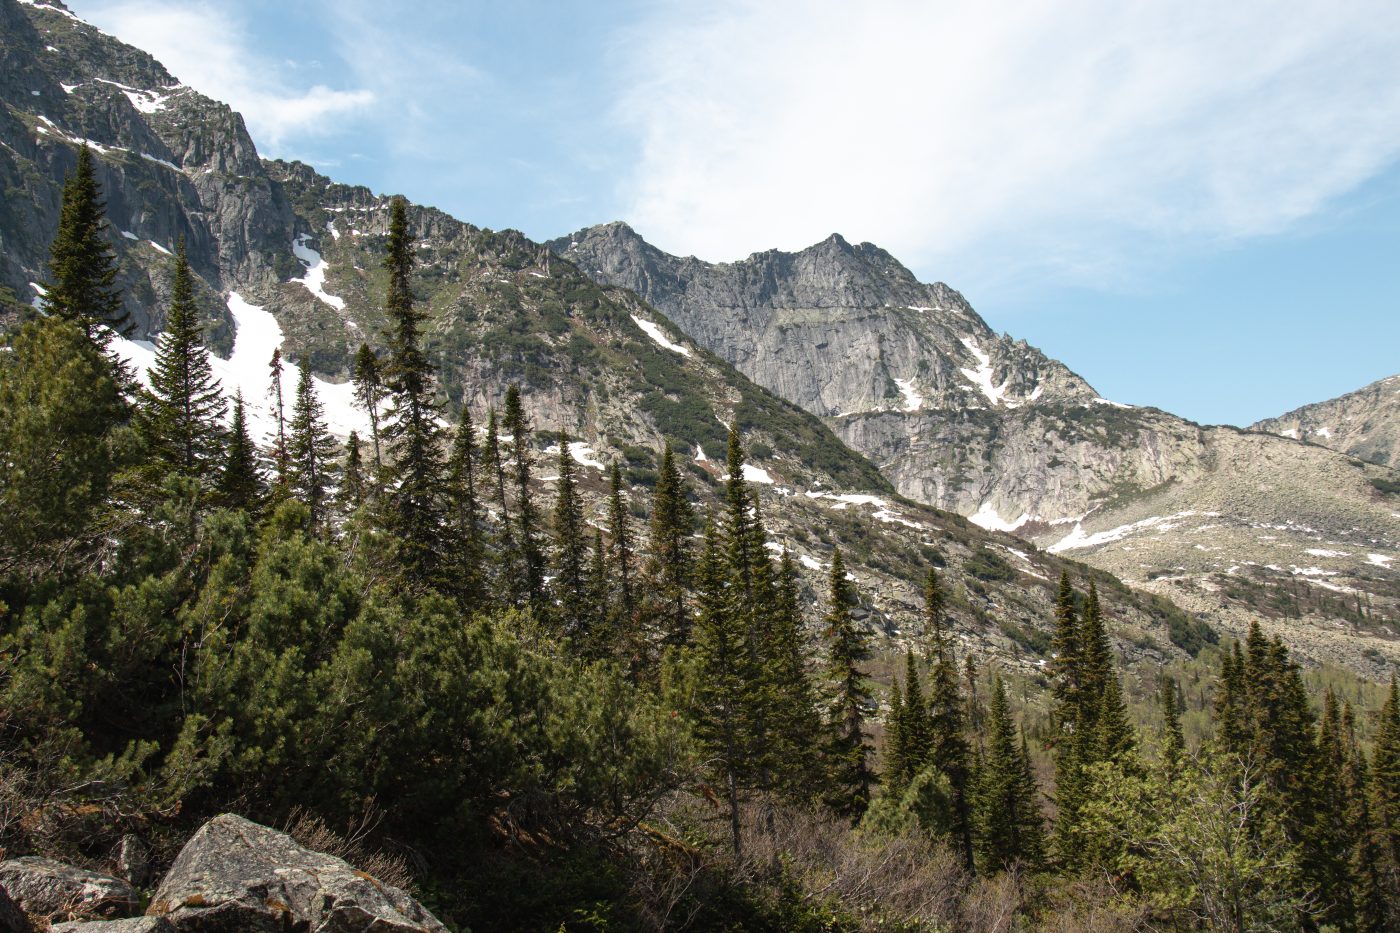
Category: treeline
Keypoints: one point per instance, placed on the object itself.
(398, 633)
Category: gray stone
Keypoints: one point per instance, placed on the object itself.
(44, 888)
(130, 925)
(235, 875)
(12, 919)
(133, 859)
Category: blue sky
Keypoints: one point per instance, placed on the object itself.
(1195, 205)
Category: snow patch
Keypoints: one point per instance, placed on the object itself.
(987, 517)
(913, 401)
(981, 377)
(315, 279)
(1289, 433)
(330, 228)
(655, 334)
(1323, 432)
(753, 474)
(68, 88)
(808, 562)
(159, 248)
(1380, 560)
(1104, 401)
(1077, 539)
(700, 454)
(1324, 552)
(52, 9)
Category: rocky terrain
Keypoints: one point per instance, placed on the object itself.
(978, 423)
(286, 258)
(1364, 423)
(232, 874)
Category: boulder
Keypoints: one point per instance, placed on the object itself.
(12, 919)
(130, 925)
(235, 876)
(45, 889)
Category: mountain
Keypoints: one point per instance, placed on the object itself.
(962, 418)
(287, 258)
(1364, 423)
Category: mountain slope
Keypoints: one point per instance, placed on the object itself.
(1364, 423)
(288, 259)
(964, 419)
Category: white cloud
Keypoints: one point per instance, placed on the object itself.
(208, 47)
(1063, 135)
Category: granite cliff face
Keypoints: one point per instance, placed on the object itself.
(959, 417)
(1364, 423)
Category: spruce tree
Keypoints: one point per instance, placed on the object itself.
(510, 582)
(369, 393)
(796, 723)
(849, 768)
(668, 563)
(352, 477)
(527, 540)
(949, 747)
(464, 516)
(570, 581)
(240, 479)
(414, 506)
(281, 458)
(1173, 742)
(1385, 778)
(742, 537)
(312, 450)
(916, 728)
(82, 268)
(621, 553)
(182, 416)
(1009, 830)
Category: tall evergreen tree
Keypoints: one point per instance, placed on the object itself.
(464, 516)
(510, 579)
(182, 417)
(312, 450)
(369, 393)
(621, 555)
(1010, 829)
(240, 479)
(82, 268)
(742, 536)
(916, 728)
(570, 581)
(850, 777)
(1385, 780)
(668, 564)
(949, 747)
(527, 532)
(414, 505)
(796, 723)
(1173, 742)
(281, 456)
(352, 477)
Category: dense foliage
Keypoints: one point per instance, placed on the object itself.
(602, 728)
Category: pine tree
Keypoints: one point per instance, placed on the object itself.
(531, 561)
(467, 552)
(414, 506)
(570, 581)
(281, 458)
(1373, 893)
(369, 393)
(182, 416)
(850, 777)
(668, 565)
(947, 722)
(722, 680)
(312, 450)
(240, 480)
(620, 534)
(796, 723)
(1385, 778)
(916, 728)
(83, 269)
(607, 635)
(510, 580)
(1173, 741)
(352, 481)
(1009, 830)
(743, 539)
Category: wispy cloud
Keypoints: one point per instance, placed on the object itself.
(208, 46)
(1065, 137)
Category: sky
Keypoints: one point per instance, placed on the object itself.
(1195, 205)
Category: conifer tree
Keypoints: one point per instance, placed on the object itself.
(722, 680)
(527, 540)
(464, 515)
(240, 480)
(608, 634)
(742, 537)
(414, 505)
(1173, 742)
(668, 565)
(796, 723)
(312, 450)
(849, 768)
(916, 729)
(369, 393)
(352, 482)
(1010, 830)
(281, 458)
(509, 577)
(1373, 894)
(948, 723)
(83, 269)
(182, 417)
(570, 581)
(1385, 778)
(620, 534)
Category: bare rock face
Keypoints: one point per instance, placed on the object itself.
(235, 876)
(1364, 423)
(12, 919)
(46, 889)
(130, 925)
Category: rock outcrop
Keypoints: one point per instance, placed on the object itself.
(50, 890)
(1364, 423)
(235, 875)
(12, 919)
(130, 925)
